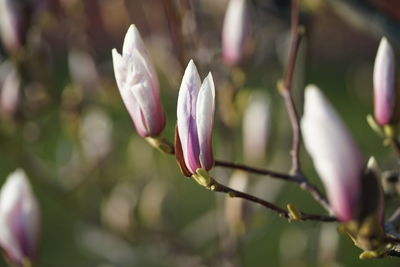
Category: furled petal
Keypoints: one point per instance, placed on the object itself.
(205, 121)
(120, 71)
(119, 68)
(19, 218)
(186, 116)
(384, 83)
(134, 45)
(234, 31)
(336, 157)
(138, 85)
(150, 115)
(133, 42)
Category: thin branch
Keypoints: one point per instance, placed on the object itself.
(316, 194)
(215, 186)
(395, 218)
(294, 45)
(392, 224)
(274, 174)
(175, 28)
(286, 91)
(294, 121)
(299, 179)
(396, 146)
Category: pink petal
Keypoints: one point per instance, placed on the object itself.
(186, 116)
(133, 42)
(205, 121)
(336, 156)
(19, 218)
(234, 31)
(384, 83)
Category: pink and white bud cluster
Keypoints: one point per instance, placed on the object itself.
(235, 31)
(195, 120)
(335, 154)
(385, 91)
(19, 220)
(138, 84)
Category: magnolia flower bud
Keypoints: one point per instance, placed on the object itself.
(195, 119)
(336, 156)
(256, 128)
(19, 219)
(14, 23)
(370, 233)
(10, 89)
(384, 84)
(138, 84)
(235, 31)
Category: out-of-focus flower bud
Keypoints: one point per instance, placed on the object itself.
(235, 31)
(82, 69)
(335, 154)
(385, 91)
(96, 135)
(19, 220)
(368, 230)
(138, 84)
(10, 88)
(195, 120)
(14, 23)
(256, 128)
(235, 211)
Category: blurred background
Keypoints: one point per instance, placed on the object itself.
(108, 198)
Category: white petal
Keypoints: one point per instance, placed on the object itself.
(17, 202)
(133, 41)
(205, 119)
(134, 45)
(186, 107)
(384, 82)
(336, 157)
(234, 30)
(119, 68)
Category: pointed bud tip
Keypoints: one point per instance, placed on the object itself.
(311, 89)
(191, 70)
(372, 163)
(191, 65)
(132, 31)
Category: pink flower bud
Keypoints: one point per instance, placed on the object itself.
(195, 120)
(336, 156)
(256, 128)
(138, 84)
(384, 83)
(14, 23)
(10, 89)
(19, 219)
(235, 31)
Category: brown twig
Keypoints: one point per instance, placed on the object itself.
(396, 146)
(175, 28)
(299, 179)
(274, 174)
(286, 89)
(215, 186)
(395, 218)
